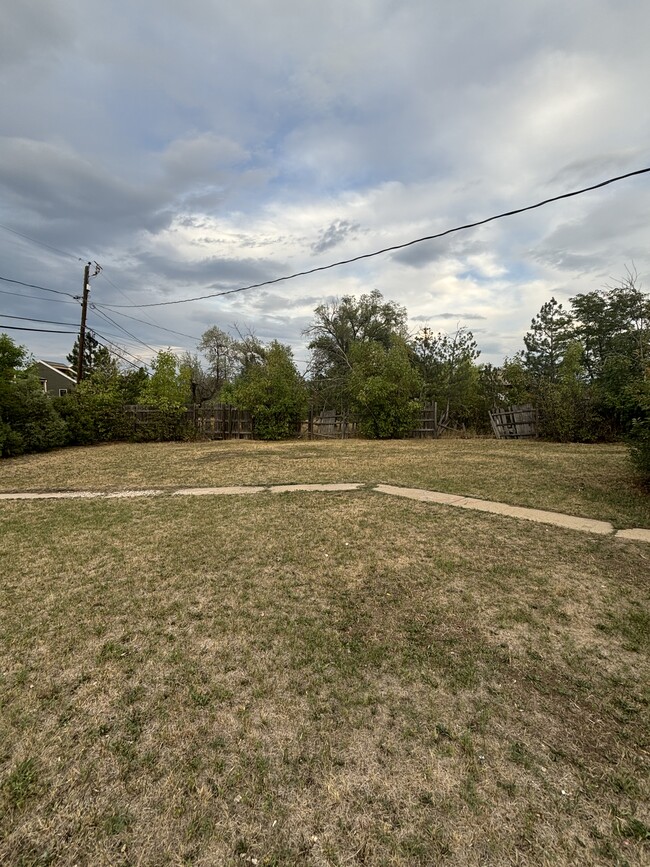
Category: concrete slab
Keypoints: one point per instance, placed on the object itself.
(54, 495)
(283, 489)
(120, 495)
(637, 534)
(541, 516)
(235, 489)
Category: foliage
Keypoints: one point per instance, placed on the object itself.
(338, 326)
(640, 434)
(566, 408)
(204, 385)
(614, 327)
(94, 411)
(97, 358)
(550, 335)
(273, 391)
(28, 421)
(169, 387)
(449, 375)
(384, 388)
(219, 349)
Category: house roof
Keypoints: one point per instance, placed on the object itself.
(61, 369)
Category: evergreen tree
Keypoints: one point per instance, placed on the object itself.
(550, 335)
(446, 364)
(96, 357)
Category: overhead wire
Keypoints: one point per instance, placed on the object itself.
(121, 348)
(43, 330)
(117, 325)
(31, 319)
(122, 292)
(35, 286)
(39, 298)
(56, 322)
(41, 243)
(145, 322)
(393, 247)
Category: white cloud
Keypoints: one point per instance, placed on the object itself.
(208, 145)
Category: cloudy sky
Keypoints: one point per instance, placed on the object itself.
(198, 146)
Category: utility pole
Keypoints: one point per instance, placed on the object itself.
(82, 330)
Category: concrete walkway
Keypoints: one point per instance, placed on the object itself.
(557, 519)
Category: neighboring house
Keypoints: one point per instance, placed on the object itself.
(56, 378)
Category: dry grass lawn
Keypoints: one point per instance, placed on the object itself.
(320, 679)
(592, 481)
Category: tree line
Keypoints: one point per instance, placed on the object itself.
(585, 367)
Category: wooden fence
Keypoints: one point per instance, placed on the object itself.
(220, 422)
(223, 422)
(516, 422)
(330, 424)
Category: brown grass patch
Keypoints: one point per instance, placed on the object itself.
(593, 481)
(318, 679)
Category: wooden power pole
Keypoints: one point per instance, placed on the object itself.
(82, 330)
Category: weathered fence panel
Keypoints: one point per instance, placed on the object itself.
(331, 424)
(432, 422)
(219, 422)
(515, 422)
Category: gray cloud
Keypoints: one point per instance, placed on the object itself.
(335, 234)
(247, 128)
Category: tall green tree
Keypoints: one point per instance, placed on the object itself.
(169, 386)
(551, 333)
(449, 375)
(272, 390)
(342, 324)
(384, 388)
(614, 327)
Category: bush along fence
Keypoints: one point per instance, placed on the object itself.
(220, 422)
(223, 422)
(431, 423)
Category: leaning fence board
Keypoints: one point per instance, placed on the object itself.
(515, 422)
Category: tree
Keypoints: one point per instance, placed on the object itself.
(613, 325)
(551, 333)
(338, 326)
(449, 375)
(273, 391)
(219, 349)
(96, 356)
(384, 388)
(28, 420)
(203, 385)
(169, 387)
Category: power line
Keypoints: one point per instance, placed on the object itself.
(56, 322)
(52, 322)
(39, 298)
(34, 286)
(43, 330)
(114, 351)
(117, 325)
(41, 243)
(394, 246)
(145, 322)
(31, 319)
